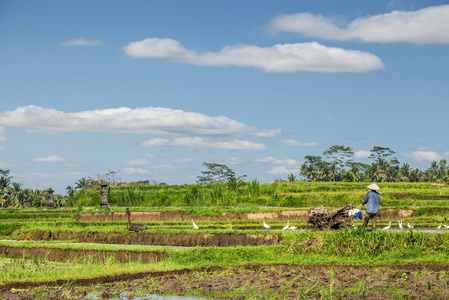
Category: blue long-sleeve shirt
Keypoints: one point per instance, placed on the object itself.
(372, 200)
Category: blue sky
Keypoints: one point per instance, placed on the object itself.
(152, 89)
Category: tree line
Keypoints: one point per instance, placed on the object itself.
(336, 164)
(13, 195)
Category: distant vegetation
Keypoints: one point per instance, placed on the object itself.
(218, 185)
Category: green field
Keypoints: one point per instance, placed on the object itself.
(47, 246)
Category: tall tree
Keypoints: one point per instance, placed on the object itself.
(339, 156)
(5, 180)
(17, 194)
(383, 156)
(357, 169)
(405, 170)
(414, 175)
(311, 167)
(215, 173)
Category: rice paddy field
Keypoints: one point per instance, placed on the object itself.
(87, 253)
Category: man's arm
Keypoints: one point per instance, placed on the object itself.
(364, 201)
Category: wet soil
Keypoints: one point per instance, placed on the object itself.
(56, 254)
(159, 239)
(177, 216)
(277, 281)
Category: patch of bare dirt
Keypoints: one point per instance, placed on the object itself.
(159, 239)
(394, 214)
(175, 216)
(259, 281)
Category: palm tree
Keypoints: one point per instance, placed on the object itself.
(414, 175)
(5, 179)
(84, 183)
(308, 171)
(405, 170)
(356, 169)
(291, 177)
(375, 173)
(333, 171)
(17, 197)
(391, 174)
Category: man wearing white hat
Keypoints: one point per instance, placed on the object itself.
(371, 200)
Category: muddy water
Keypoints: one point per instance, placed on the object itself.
(97, 296)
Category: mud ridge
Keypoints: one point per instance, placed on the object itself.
(57, 254)
(157, 239)
(177, 216)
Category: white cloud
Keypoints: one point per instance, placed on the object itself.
(234, 161)
(197, 142)
(50, 159)
(149, 120)
(81, 42)
(362, 154)
(295, 143)
(269, 133)
(284, 162)
(166, 166)
(133, 171)
(4, 165)
(425, 26)
(423, 155)
(136, 162)
(279, 58)
(282, 170)
(2, 132)
(182, 160)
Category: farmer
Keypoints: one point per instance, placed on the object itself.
(372, 204)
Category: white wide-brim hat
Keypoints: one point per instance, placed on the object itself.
(373, 186)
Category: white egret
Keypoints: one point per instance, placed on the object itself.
(388, 227)
(439, 227)
(292, 228)
(400, 224)
(287, 226)
(265, 225)
(446, 226)
(409, 226)
(194, 225)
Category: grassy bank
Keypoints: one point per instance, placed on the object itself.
(352, 247)
(285, 194)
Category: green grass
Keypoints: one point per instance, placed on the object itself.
(347, 247)
(286, 194)
(352, 247)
